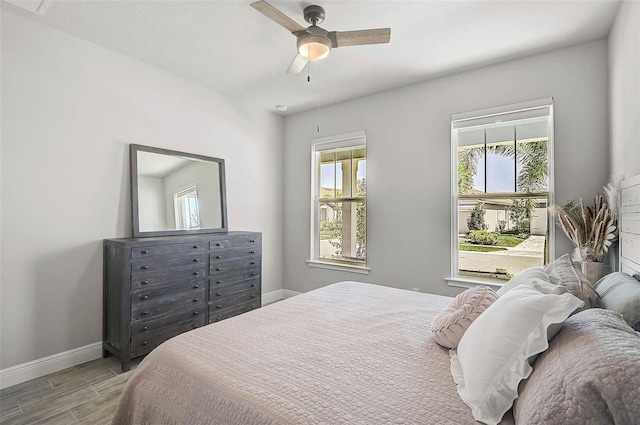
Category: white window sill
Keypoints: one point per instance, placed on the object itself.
(463, 282)
(339, 267)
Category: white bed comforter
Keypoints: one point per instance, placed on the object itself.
(349, 353)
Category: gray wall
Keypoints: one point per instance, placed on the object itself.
(408, 160)
(69, 111)
(624, 80)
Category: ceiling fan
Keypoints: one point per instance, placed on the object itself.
(315, 43)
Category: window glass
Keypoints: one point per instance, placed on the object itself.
(339, 233)
(503, 174)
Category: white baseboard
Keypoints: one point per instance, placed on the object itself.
(288, 293)
(46, 365)
(277, 295)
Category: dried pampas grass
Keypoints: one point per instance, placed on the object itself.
(592, 229)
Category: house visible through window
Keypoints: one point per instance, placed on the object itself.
(185, 203)
(503, 185)
(339, 210)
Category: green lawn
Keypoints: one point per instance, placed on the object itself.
(503, 241)
(480, 248)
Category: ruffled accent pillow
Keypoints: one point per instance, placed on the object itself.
(449, 326)
(494, 354)
(527, 276)
(571, 277)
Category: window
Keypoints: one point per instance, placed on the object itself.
(185, 203)
(502, 185)
(339, 204)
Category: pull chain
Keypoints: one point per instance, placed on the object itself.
(318, 101)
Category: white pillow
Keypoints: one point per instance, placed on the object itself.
(526, 276)
(493, 355)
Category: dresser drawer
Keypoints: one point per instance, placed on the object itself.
(140, 281)
(233, 266)
(233, 254)
(244, 241)
(222, 303)
(177, 303)
(234, 277)
(166, 294)
(150, 327)
(197, 247)
(216, 316)
(156, 265)
(217, 291)
(145, 342)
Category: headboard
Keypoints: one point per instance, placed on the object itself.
(630, 225)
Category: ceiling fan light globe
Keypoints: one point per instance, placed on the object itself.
(314, 47)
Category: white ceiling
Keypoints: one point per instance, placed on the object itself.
(232, 48)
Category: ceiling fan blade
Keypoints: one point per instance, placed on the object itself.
(278, 17)
(297, 65)
(360, 37)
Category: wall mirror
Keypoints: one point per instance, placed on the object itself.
(176, 193)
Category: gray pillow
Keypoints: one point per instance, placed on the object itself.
(620, 292)
(570, 276)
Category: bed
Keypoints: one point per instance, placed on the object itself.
(350, 353)
(357, 353)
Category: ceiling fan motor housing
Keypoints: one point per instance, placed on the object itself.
(313, 43)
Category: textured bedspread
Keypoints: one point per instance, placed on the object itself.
(349, 353)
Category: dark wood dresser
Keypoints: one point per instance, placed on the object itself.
(157, 288)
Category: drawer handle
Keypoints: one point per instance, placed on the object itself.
(196, 260)
(252, 240)
(146, 328)
(195, 300)
(253, 296)
(218, 257)
(218, 244)
(253, 274)
(218, 306)
(196, 286)
(145, 252)
(144, 343)
(145, 267)
(195, 313)
(144, 313)
(253, 263)
(253, 285)
(144, 297)
(253, 306)
(196, 273)
(252, 252)
(144, 282)
(218, 282)
(218, 269)
(195, 326)
(218, 294)
(196, 247)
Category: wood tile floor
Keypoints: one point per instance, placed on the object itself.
(86, 394)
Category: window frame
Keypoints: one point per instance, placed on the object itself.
(178, 206)
(318, 145)
(512, 112)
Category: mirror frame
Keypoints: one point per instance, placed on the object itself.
(135, 217)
